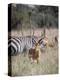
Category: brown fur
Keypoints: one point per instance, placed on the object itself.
(34, 53)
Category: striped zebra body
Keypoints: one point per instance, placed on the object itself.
(17, 44)
(14, 45)
(20, 44)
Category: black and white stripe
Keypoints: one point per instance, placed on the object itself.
(14, 45)
(17, 44)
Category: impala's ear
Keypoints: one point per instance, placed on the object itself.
(33, 41)
(39, 41)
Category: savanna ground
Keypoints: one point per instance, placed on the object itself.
(48, 64)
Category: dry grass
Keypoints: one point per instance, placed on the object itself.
(22, 66)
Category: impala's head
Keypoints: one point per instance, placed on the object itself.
(40, 41)
(36, 44)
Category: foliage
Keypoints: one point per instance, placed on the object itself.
(39, 15)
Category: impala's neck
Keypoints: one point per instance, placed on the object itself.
(37, 47)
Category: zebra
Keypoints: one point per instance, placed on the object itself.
(18, 44)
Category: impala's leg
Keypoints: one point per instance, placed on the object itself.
(37, 60)
(47, 45)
